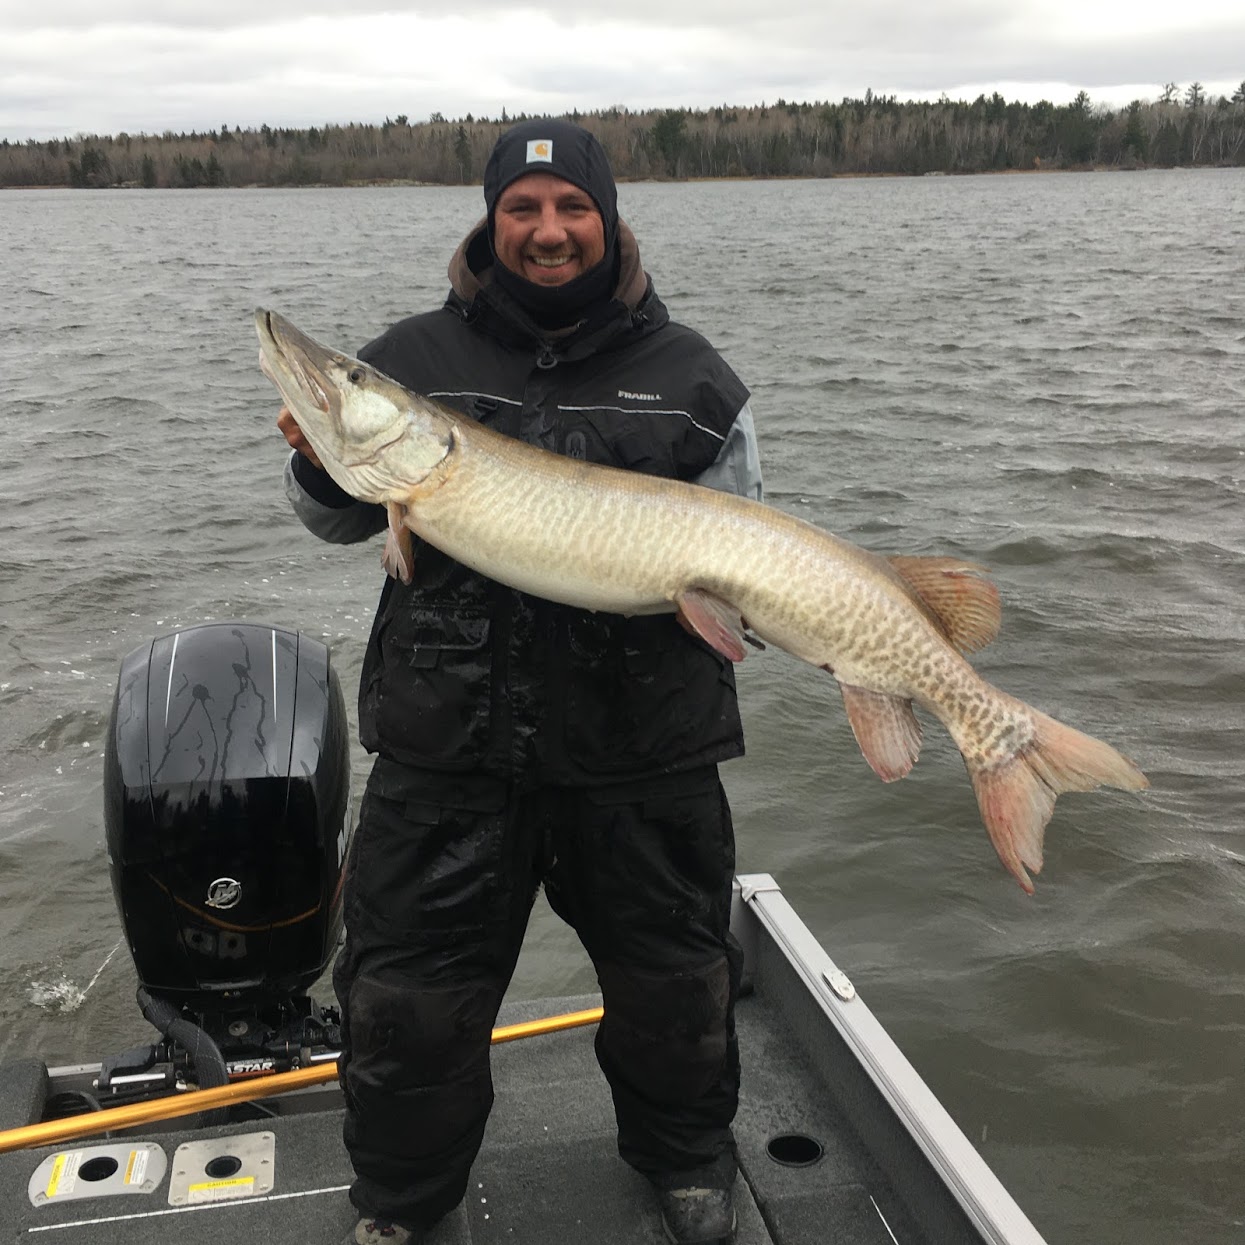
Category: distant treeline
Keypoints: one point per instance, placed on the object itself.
(873, 135)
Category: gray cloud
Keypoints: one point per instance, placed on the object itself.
(66, 68)
(82, 14)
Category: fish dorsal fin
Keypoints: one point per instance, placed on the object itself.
(399, 556)
(959, 595)
(886, 729)
(717, 622)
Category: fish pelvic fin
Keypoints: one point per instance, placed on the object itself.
(716, 621)
(886, 729)
(398, 558)
(959, 594)
(1017, 796)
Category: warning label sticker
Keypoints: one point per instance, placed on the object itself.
(221, 1190)
(64, 1173)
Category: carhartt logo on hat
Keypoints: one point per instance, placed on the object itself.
(540, 149)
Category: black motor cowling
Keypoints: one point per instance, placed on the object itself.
(227, 805)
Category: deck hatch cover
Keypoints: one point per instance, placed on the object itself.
(221, 1169)
(97, 1171)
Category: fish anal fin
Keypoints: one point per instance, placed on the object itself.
(716, 621)
(886, 729)
(399, 556)
(960, 596)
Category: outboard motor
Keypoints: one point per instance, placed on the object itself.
(227, 807)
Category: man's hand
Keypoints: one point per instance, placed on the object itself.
(294, 435)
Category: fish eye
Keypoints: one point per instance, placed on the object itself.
(356, 375)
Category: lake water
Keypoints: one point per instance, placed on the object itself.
(1045, 374)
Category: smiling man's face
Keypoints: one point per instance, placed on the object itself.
(547, 230)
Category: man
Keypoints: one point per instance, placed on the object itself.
(522, 742)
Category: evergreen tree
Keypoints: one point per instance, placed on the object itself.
(1135, 139)
(91, 169)
(669, 136)
(1165, 150)
(462, 153)
(1077, 132)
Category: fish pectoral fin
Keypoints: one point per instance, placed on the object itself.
(886, 729)
(960, 596)
(716, 621)
(399, 556)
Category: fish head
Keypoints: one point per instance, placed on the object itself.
(375, 438)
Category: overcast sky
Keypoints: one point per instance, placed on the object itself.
(103, 66)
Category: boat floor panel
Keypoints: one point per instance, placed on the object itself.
(549, 1170)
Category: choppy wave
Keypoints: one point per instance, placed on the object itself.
(1041, 374)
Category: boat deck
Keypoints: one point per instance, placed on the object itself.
(549, 1169)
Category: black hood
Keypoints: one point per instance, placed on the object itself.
(573, 154)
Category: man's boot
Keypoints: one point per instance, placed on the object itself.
(697, 1216)
(370, 1231)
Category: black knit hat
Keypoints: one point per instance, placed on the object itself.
(558, 147)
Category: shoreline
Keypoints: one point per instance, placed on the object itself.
(390, 183)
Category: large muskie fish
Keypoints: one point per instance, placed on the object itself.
(892, 631)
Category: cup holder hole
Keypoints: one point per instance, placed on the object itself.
(794, 1149)
(224, 1166)
(98, 1168)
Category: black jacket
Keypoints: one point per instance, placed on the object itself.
(462, 673)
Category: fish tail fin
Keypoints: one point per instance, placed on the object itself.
(1017, 795)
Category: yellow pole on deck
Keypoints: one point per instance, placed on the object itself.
(269, 1086)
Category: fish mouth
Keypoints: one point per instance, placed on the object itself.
(290, 359)
(279, 341)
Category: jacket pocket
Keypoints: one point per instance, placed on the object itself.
(642, 696)
(428, 698)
